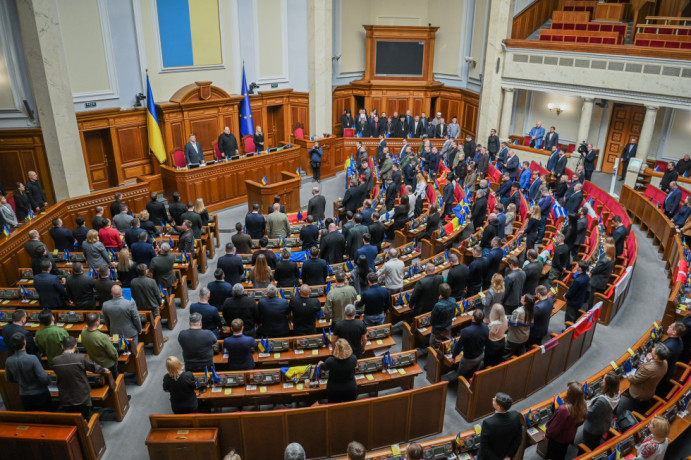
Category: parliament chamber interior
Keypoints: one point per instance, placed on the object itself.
(301, 229)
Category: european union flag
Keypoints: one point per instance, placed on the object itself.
(246, 123)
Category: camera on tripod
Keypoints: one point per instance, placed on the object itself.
(582, 148)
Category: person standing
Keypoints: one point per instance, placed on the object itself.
(537, 134)
(332, 245)
(576, 294)
(561, 428)
(645, 381)
(241, 240)
(654, 446)
(273, 314)
(26, 371)
(542, 313)
(182, 387)
(145, 293)
(197, 345)
(121, 316)
(442, 316)
(316, 154)
(62, 238)
(426, 291)
(392, 272)
(258, 139)
(317, 205)
(471, 343)
(49, 338)
(513, 285)
(589, 162)
(17, 326)
(626, 155)
(227, 143)
(375, 301)
(277, 225)
(341, 386)
(519, 327)
(161, 267)
(193, 152)
(98, 345)
(551, 139)
(73, 386)
(492, 144)
(598, 419)
(220, 290)
(22, 202)
(51, 292)
(211, 320)
(241, 306)
(352, 330)
(239, 348)
(337, 298)
(501, 433)
(37, 197)
(304, 311)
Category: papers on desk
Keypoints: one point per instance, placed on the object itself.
(55, 389)
(299, 352)
(359, 376)
(288, 385)
(250, 387)
(217, 389)
(264, 355)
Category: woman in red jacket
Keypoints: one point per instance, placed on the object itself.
(561, 428)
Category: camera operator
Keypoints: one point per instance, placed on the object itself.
(588, 157)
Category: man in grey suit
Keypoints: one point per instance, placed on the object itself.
(277, 225)
(193, 152)
(316, 205)
(121, 316)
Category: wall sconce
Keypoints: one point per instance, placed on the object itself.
(559, 108)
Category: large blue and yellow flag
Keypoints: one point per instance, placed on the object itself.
(246, 123)
(155, 138)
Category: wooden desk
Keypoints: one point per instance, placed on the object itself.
(164, 443)
(40, 441)
(288, 188)
(223, 184)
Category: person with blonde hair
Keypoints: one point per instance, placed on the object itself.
(495, 294)
(182, 387)
(147, 224)
(532, 227)
(200, 209)
(94, 251)
(498, 325)
(341, 386)
(561, 428)
(261, 273)
(654, 446)
(127, 270)
(510, 216)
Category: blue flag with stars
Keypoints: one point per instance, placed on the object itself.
(246, 123)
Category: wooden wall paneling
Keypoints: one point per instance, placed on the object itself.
(22, 150)
(531, 18)
(626, 122)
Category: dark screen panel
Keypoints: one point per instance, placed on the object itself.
(399, 58)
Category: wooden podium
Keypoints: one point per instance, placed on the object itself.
(288, 189)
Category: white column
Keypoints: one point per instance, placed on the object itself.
(501, 12)
(646, 136)
(39, 22)
(320, 68)
(586, 117)
(506, 113)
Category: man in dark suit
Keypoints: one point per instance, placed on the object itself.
(442, 129)
(576, 294)
(416, 127)
(332, 246)
(533, 272)
(513, 165)
(157, 210)
(132, 233)
(314, 270)
(375, 302)
(469, 147)
(573, 204)
(502, 432)
(309, 235)
(476, 271)
(62, 237)
(551, 139)
(255, 223)
(80, 288)
(581, 230)
(377, 126)
(426, 292)
(626, 155)
(479, 211)
(34, 189)
(316, 205)
(671, 203)
(273, 314)
(377, 231)
(231, 265)
(186, 241)
(561, 260)
(619, 234)
(553, 157)
(268, 253)
(457, 277)
(589, 162)
(142, 251)
(560, 166)
(354, 196)
(193, 152)
(354, 236)
(534, 190)
(80, 231)
(513, 286)
(493, 256)
(51, 293)
(194, 218)
(493, 144)
(227, 143)
(670, 174)
(177, 209)
(430, 129)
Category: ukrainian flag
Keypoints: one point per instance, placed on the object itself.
(264, 180)
(155, 138)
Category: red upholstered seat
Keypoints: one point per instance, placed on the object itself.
(10, 200)
(179, 160)
(526, 141)
(299, 133)
(347, 132)
(248, 143)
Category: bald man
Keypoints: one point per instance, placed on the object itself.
(277, 225)
(316, 205)
(426, 292)
(37, 197)
(121, 316)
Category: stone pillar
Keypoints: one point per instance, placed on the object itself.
(646, 136)
(50, 83)
(501, 12)
(506, 112)
(586, 117)
(320, 67)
